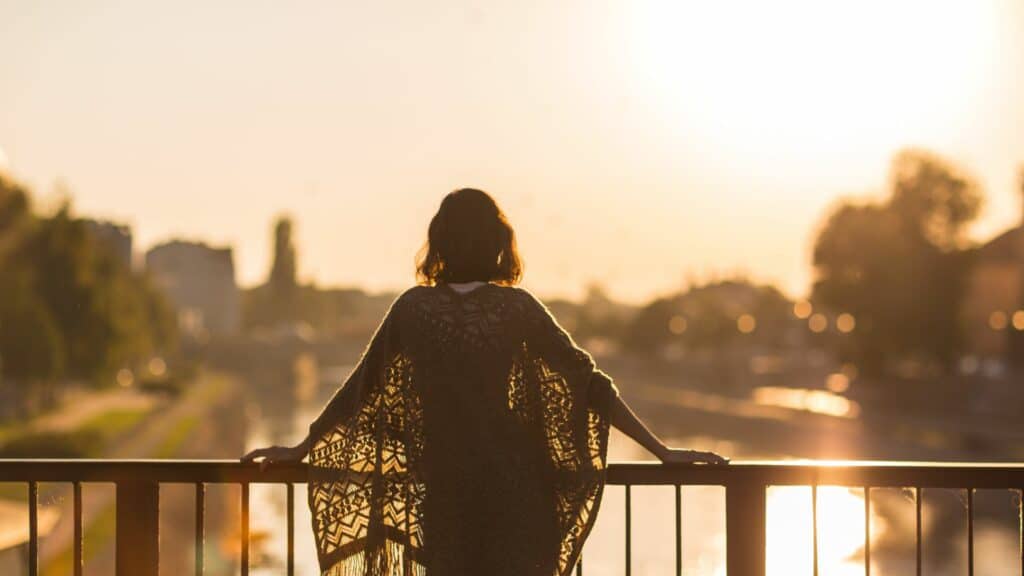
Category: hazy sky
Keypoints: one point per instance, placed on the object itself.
(631, 143)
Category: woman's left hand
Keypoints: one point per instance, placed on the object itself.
(678, 456)
(276, 454)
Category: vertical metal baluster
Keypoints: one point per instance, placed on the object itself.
(291, 527)
(200, 527)
(1021, 509)
(33, 528)
(679, 530)
(867, 531)
(245, 528)
(814, 524)
(137, 526)
(970, 532)
(77, 545)
(746, 527)
(629, 533)
(917, 512)
(579, 566)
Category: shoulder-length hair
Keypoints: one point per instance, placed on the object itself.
(469, 239)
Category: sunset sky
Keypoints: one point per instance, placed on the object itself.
(632, 143)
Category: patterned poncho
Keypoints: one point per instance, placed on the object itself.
(470, 439)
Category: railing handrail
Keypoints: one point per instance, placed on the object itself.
(138, 498)
(858, 473)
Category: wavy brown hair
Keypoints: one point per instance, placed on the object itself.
(469, 239)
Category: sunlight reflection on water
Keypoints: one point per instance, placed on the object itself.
(817, 401)
(790, 553)
(840, 531)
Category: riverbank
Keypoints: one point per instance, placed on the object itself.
(131, 425)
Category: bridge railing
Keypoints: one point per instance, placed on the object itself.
(138, 500)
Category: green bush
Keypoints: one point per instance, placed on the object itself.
(80, 444)
(112, 423)
(170, 386)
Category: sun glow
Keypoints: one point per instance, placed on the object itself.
(815, 79)
(817, 401)
(840, 531)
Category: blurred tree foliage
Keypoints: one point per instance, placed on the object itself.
(598, 316)
(707, 317)
(900, 266)
(68, 306)
(31, 345)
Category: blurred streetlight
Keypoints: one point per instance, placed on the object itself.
(1018, 320)
(818, 323)
(803, 309)
(677, 324)
(837, 382)
(998, 320)
(157, 366)
(125, 378)
(746, 323)
(845, 323)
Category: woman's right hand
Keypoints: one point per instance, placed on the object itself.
(679, 456)
(277, 454)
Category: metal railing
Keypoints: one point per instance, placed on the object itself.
(138, 500)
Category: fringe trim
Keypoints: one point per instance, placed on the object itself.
(388, 559)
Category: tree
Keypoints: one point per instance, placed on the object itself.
(598, 316)
(866, 267)
(934, 199)
(899, 266)
(31, 345)
(68, 304)
(65, 277)
(706, 317)
(15, 216)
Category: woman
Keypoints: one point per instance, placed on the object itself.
(472, 436)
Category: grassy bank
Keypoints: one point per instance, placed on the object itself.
(160, 434)
(88, 440)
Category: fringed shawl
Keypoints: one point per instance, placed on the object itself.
(470, 439)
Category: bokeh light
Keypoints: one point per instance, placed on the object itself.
(998, 320)
(818, 323)
(846, 323)
(803, 309)
(157, 366)
(125, 378)
(1018, 320)
(837, 382)
(677, 324)
(746, 324)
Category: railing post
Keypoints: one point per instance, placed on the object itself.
(745, 529)
(138, 528)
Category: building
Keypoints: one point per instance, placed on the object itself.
(994, 304)
(117, 237)
(200, 281)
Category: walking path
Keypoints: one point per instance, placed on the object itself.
(80, 406)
